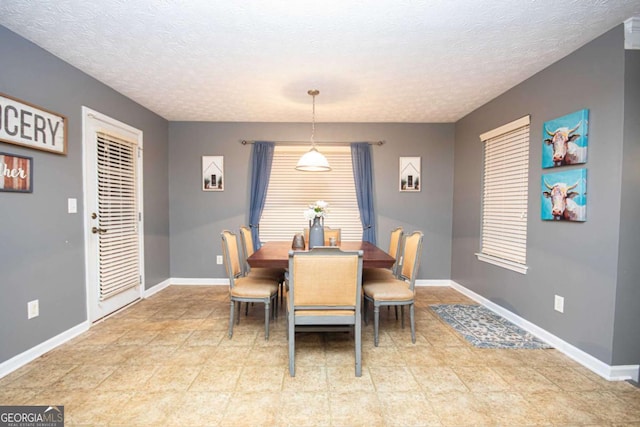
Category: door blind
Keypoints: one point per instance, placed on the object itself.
(504, 203)
(118, 215)
(291, 191)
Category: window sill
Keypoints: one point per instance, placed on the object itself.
(509, 265)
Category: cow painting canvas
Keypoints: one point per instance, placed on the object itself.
(565, 140)
(564, 196)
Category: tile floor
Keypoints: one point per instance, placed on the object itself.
(167, 361)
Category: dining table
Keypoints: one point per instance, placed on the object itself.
(275, 254)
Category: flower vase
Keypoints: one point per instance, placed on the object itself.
(316, 232)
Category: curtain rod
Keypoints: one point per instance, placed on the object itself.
(245, 142)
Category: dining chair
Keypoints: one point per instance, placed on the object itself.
(325, 289)
(396, 291)
(248, 248)
(386, 273)
(329, 233)
(246, 288)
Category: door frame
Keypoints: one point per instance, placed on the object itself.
(89, 174)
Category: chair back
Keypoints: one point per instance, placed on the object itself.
(325, 279)
(411, 254)
(394, 247)
(332, 232)
(247, 247)
(231, 257)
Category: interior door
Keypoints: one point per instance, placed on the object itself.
(113, 218)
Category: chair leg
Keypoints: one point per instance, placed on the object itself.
(401, 315)
(266, 319)
(231, 319)
(238, 309)
(413, 323)
(376, 322)
(364, 311)
(291, 335)
(395, 308)
(358, 339)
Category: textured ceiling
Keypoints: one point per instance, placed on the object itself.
(373, 61)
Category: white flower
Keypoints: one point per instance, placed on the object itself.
(317, 209)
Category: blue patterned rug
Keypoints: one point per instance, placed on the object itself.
(484, 328)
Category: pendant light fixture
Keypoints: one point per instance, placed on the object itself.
(313, 160)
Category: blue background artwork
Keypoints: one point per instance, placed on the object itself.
(570, 121)
(569, 177)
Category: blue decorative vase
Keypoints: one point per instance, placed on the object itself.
(316, 232)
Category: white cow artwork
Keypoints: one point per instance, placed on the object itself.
(567, 139)
(559, 199)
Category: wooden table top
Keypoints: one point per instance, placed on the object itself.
(276, 255)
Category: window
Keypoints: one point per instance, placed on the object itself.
(291, 191)
(504, 197)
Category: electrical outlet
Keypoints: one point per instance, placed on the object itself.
(558, 303)
(33, 309)
(219, 259)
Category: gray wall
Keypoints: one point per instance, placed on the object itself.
(41, 245)
(198, 217)
(578, 261)
(626, 337)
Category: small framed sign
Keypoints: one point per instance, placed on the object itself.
(31, 126)
(212, 173)
(410, 174)
(16, 173)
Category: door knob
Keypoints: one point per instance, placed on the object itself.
(96, 230)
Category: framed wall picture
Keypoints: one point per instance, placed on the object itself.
(16, 173)
(410, 174)
(564, 196)
(212, 173)
(31, 126)
(565, 140)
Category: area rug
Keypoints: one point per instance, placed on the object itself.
(484, 328)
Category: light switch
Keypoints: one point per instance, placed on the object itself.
(72, 205)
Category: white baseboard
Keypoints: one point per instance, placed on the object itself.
(181, 281)
(156, 288)
(34, 352)
(612, 373)
(420, 282)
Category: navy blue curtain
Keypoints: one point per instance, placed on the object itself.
(363, 177)
(261, 160)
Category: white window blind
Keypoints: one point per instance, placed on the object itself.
(118, 215)
(291, 191)
(504, 197)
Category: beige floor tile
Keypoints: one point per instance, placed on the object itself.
(461, 409)
(128, 378)
(216, 379)
(355, 409)
(386, 379)
(438, 380)
(481, 380)
(568, 379)
(510, 408)
(407, 409)
(248, 408)
(172, 378)
(343, 380)
(307, 378)
(261, 379)
(560, 408)
(525, 379)
(196, 408)
(299, 408)
(84, 377)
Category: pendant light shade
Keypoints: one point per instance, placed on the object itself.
(313, 160)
